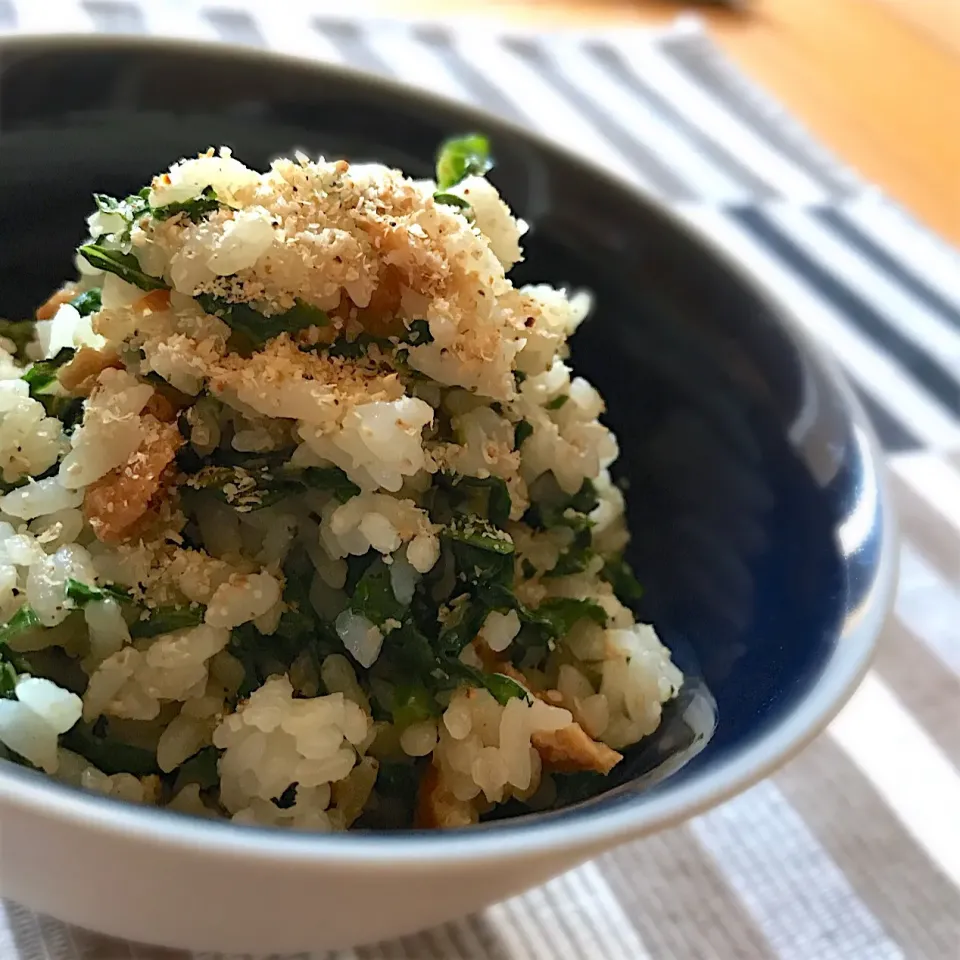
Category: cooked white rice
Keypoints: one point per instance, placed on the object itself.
(306, 520)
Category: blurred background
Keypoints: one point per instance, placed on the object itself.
(877, 80)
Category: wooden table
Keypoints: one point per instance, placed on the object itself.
(878, 81)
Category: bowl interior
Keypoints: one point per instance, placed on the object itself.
(741, 462)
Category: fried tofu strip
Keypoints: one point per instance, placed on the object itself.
(114, 504)
(437, 807)
(55, 301)
(567, 750)
(79, 376)
(570, 750)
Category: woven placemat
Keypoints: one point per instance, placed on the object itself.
(853, 851)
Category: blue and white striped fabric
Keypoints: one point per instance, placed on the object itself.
(853, 851)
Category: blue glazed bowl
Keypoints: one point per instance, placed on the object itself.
(761, 527)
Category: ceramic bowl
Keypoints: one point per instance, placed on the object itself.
(762, 530)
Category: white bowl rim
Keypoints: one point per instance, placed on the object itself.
(585, 830)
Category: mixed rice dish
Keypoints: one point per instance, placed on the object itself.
(305, 520)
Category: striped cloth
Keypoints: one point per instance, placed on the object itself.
(853, 851)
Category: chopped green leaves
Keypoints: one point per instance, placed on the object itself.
(557, 402)
(522, 431)
(412, 703)
(299, 316)
(12, 664)
(195, 209)
(452, 200)
(129, 211)
(579, 553)
(374, 598)
(585, 500)
(82, 594)
(483, 558)
(201, 769)
(90, 301)
(262, 485)
(418, 333)
(457, 159)
(619, 574)
(558, 615)
(498, 498)
(422, 655)
(245, 644)
(243, 490)
(134, 204)
(44, 373)
(166, 620)
(477, 534)
(23, 620)
(551, 507)
(137, 205)
(240, 317)
(434, 666)
(8, 680)
(106, 204)
(409, 656)
(299, 632)
(572, 561)
(504, 688)
(157, 621)
(462, 157)
(483, 554)
(327, 478)
(151, 623)
(19, 332)
(288, 798)
(68, 410)
(462, 626)
(398, 780)
(357, 348)
(108, 754)
(576, 787)
(298, 624)
(486, 497)
(542, 628)
(499, 685)
(257, 326)
(397, 785)
(124, 265)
